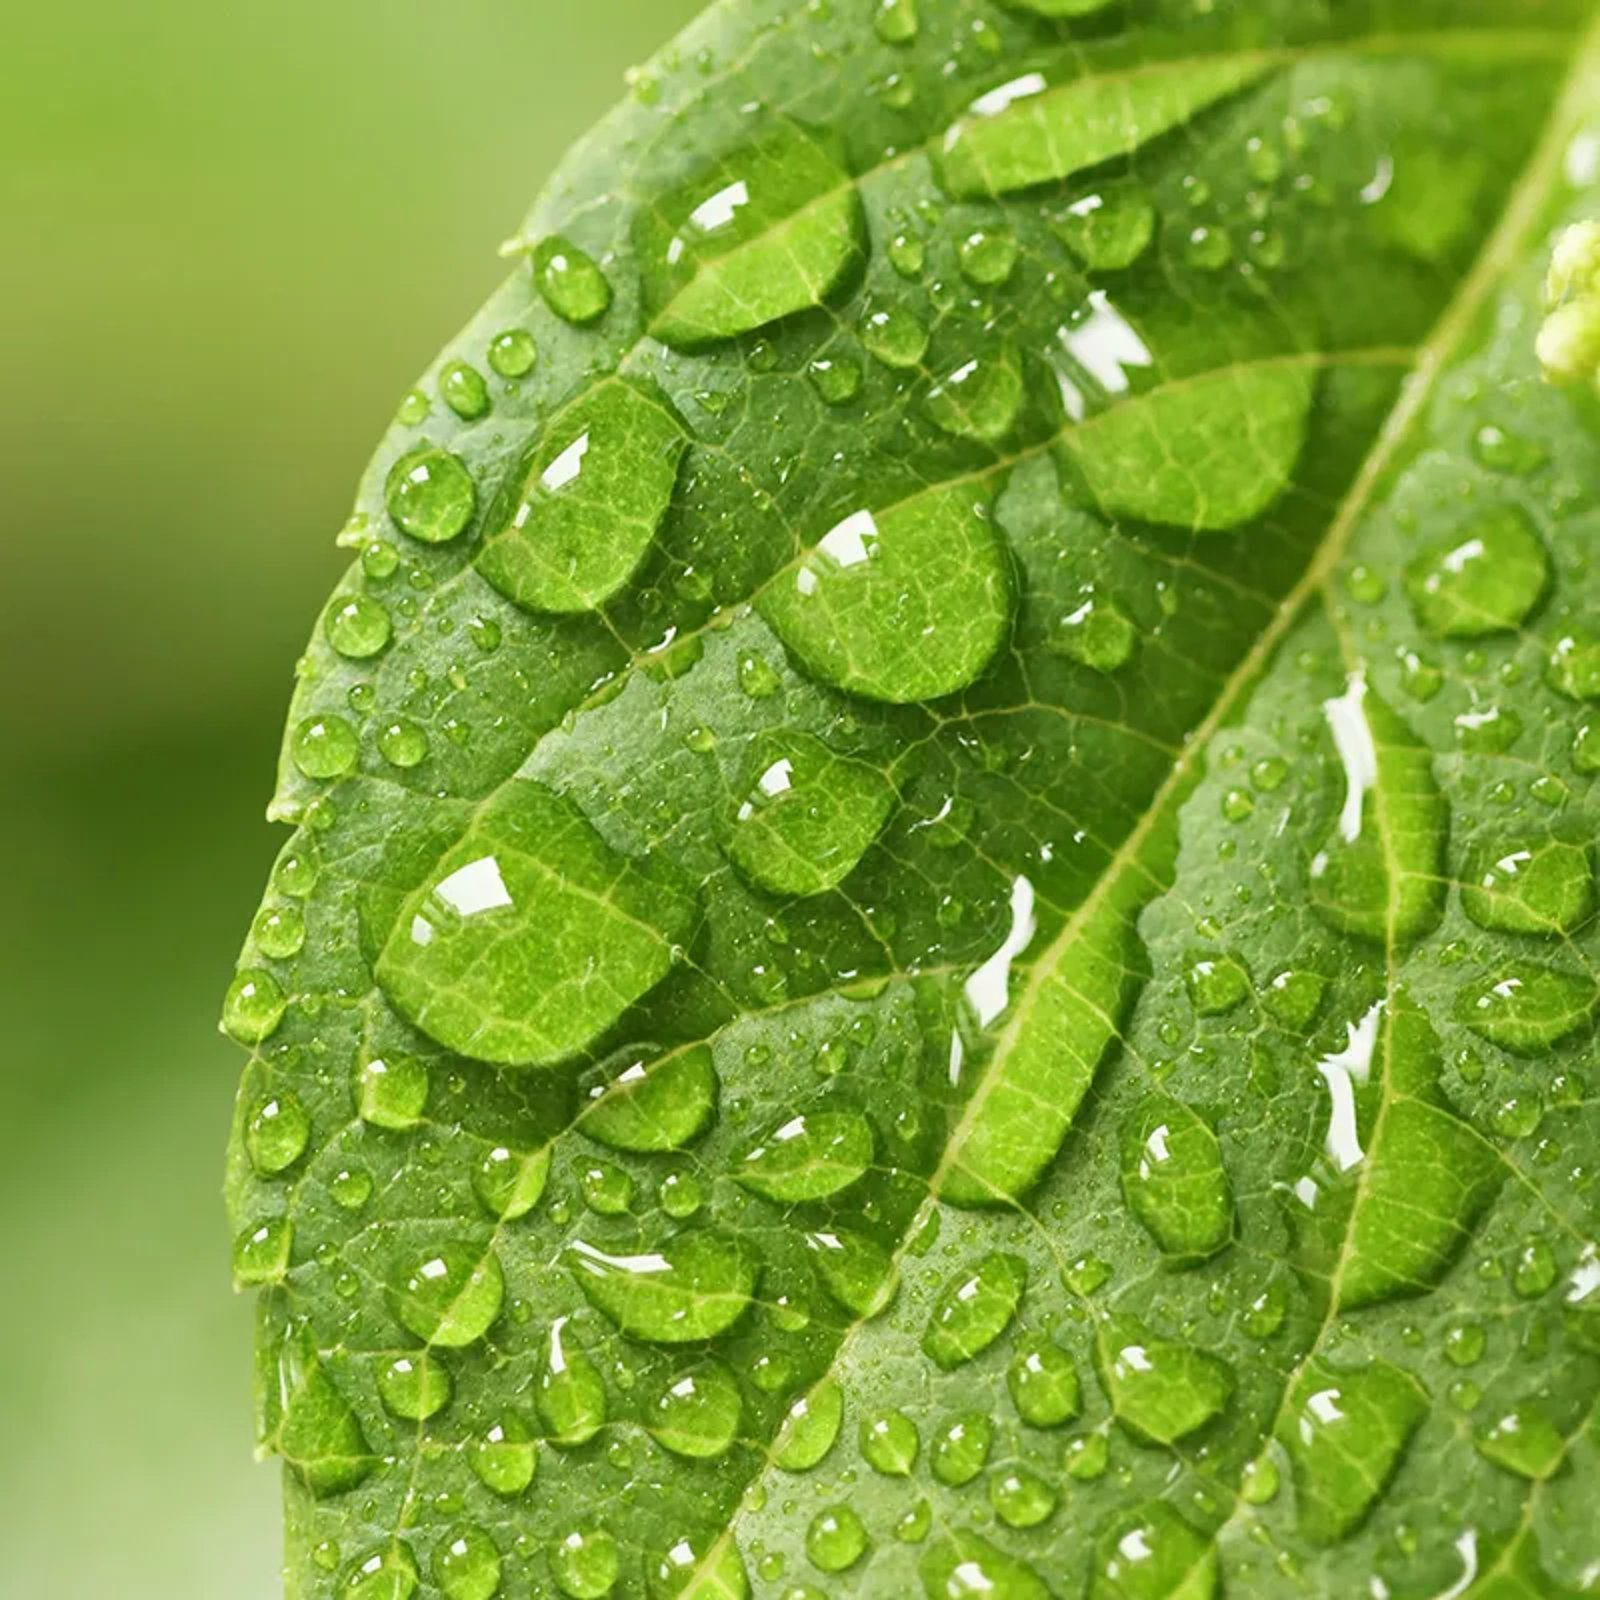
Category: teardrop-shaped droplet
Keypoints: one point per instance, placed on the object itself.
(963, 1565)
(810, 1429)
(809, 1157)
(261, 1252)
(317, 1431)
(392, 1092)
(805, 816)
(571, 1394)
(510, 1182)
(451, 1295)
(697, 1414)
(979, 399)
(1160, 1390)
(1152, 1553)
(1523, 1441)
(1541, 885)
(890, 1443)
(584, 504)
(1484, 579)
(1174, 1179)
(974, 1309)
(277, 1133)
(505, 1456)
(1526, 1008)
(1043, 1381)
(1345, 1432)
(859, 1273)
(482, 959)
(770, 230)
(416, 1387)
(649, 1100)
(693, 1287)
(572, 285)
(466, 1564)
(699, 1567)
(909, 603)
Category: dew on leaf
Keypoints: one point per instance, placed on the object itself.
(392, 1092)
(586, 1563)
(357, 626)
(403, 743)
(894, 335)
(505, 1456)
(324, 748)
(607, 1189)
(804, 815)
(1021, 1498)
(980, 398)
(1086, 1457)
(810, 1428)
(1573, 667)
(512, 353)
(961, 1449)
(772, 229)
(963, 1565)
(1095, 634)
(974, 1309)
(1152, 1553)
(1501, 450)
(253, 1006)
(650, 1101)
(1216, 984)
(572, 285)
(836, 1539)
(430, 495)
(415, 1387)
(509, 1183)
(1483, 579)
(318, 1432)
(895, 21)
(571, 1394)
(451, 1295)
(462, 388)
(837, 379)
(809, 1157)
(987, 256)
(1174, 1179)
(1524, 1441)
(857, 1272)
(466, 1564)
(697, 1414)
(276, 1133)
(1108, 231)
(890, 1443)
(1160, 1389)
(1534, 1270)
(1527, 1008)
(586, 500)
(1540, 885)
(693, 1287)
(388, 1574)
(1043, 1383)
(1293, 998)
(261, 1253)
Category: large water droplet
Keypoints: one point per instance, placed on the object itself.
(1108, 231)
(392, 1092)
(253, 1006)
(809, 1157)
(1044, 1387)
(697, 1415)
(806, 815)
(1174, 1179)
(430, 495)
(1152, 1554)
(770, 230)
(859, 1273)
(357, 626)
(415, 1387)
(583, 506)
(317, 1431)
(1543, 885)
(572, 285)
(505, 1456)
(277, 1133)
(571, 1395)
(387, 1574)
(836, 1539)
(451, 1295)
(650, 1101)
(1160, 1390)
(484, 957)
(586, 1563)
(974, 1309)
(1526, 1008)
(466, 1564)
(694, 1287)
(980, 398)
(1486, 579)
(906, 604)
(510, 1182)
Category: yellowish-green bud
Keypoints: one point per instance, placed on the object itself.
(1569, 343)
(1574, 265)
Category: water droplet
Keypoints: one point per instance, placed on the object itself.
(857, 1272)
(504, 1456)
(589, 495)
(1491, 730)
(810, 1428)
(1043, 1382)
(836, 1539)
(570, 282)
(1526, 1008)
(1260, 1483)
(1500, 450)
(1151, 1553)
(889, 1443)
(1160, 1390)
(895, 21)
(1095, 633)
(907, 604)
(698, 1413)
(388, 1574)
(279, 932)
(261, 1252)
(1534, 1270)
(980, 398)
(1086, 1457)
(1108, 231)
(317, 1433)
(607, 1189)
(586, 1563)
(1345, 1432)
(1529, 886)
(357, 626)
(415, 1387)
(1174, 1179)
(466, 1564)
(324, 748)
(1208, 248)
(974, 1309)
(694, 1287)
(392, 1092)
(1524, 1441)
(1293, 999)
(571, 1395)
(652, 1102)
(988, 256)
(1484, 579)
(430, 495)
(1216, 984)
(894, 335)
(509, 1183)
(481, 959)
(451, 1295)
(805, 815)
(907, 253)
(836, 378)
(961, 1449)
(512, 353)
(809, 1157)
(1021, 1498)
(403, 743)
(351, 1188)
(253, 1006)
(276, 1133)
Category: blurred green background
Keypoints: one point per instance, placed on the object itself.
(230, 236)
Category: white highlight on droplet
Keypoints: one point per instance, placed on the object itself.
(1341, 1072)
(988, 990)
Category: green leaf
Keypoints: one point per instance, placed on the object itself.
(940, 935)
